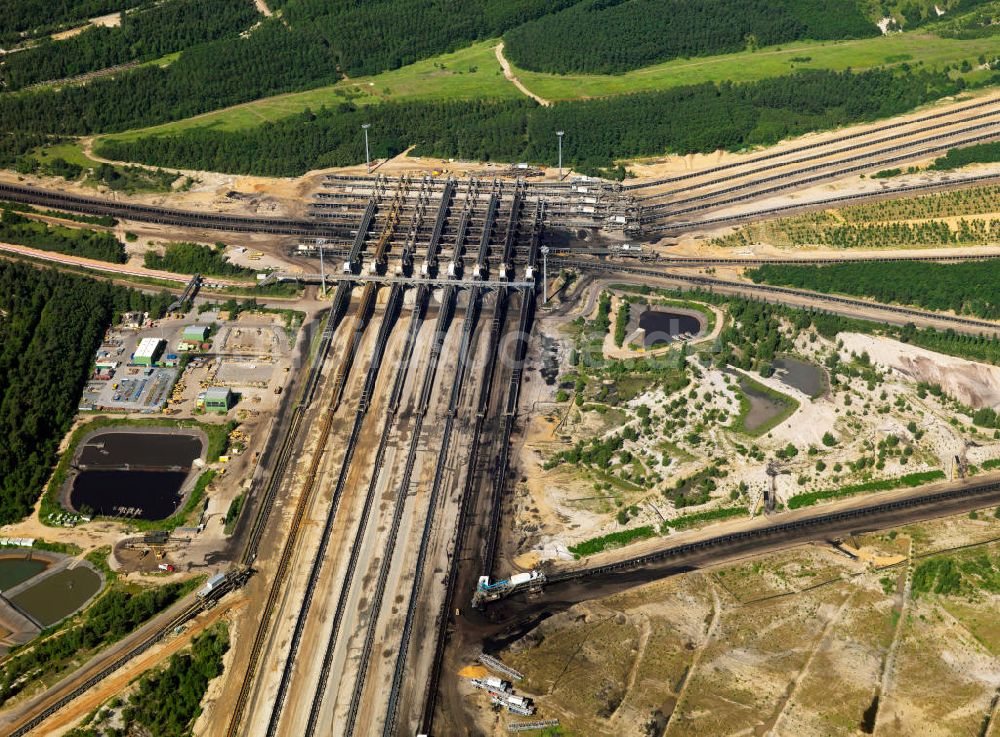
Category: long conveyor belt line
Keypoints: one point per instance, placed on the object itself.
(395, 397)
(464, 357)
(371, 377)
(472, 481)
(291, 541)
(444, 317)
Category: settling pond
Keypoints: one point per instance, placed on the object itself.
(763, 407)
(663, 326)
(142, 474)
(806, 377)
(15, 570)
(57, 596)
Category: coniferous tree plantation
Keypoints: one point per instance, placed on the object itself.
(51, 324)
(144, 34)
(600, 37)
(968, 288)
(688, 119)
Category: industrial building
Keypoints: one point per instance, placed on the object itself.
(217, 399)
(148, 351)
(195, 333)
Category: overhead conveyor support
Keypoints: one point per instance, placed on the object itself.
(455, 267)
(510, 237)
(537, 223)
(354, 258)
(479, 270)
(430, 265)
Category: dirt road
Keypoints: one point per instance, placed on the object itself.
(508, 72)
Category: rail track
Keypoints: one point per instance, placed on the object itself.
(444, 317)
(165, 215)
(762, 289)
(291, 542)
(388, 320)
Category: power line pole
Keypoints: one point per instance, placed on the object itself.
(368, 161)
(560, 135)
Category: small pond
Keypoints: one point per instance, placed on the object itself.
(763, 407)
(662, 326)
(133, 474)
(59, 595)
(18, 569)
(151, 495)
(159, 450)
(806, 377)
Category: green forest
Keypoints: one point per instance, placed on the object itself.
(983, 153)
(53, 323)
(193, 258)
(687, 119)
(967, 288)
(97, 244)
(19, 18)
(601, 37)
(143, 34)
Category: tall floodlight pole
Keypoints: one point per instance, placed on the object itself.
(368, 161)
(560, 134)
(545, 274)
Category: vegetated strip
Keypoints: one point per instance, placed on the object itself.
(695, 118)
(970, 288)
(910, 480)
(984, 153)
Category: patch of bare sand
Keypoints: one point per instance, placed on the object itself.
(973, 384)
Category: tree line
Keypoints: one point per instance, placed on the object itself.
(193, 258)
(313, 44)
(30, 17)
(144, 34)
(601, 37)
(693, 118)
(967, 288)
(23, 231)
(983, 153)
(52, 324)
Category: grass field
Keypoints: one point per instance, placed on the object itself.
(768, 62)
(474, 73)
(469, 73)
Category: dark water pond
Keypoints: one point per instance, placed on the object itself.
(18, 570)
(662, 326)
(763, 408)
(161, 450)
(59, 595)
(148, 495)
(806, 377)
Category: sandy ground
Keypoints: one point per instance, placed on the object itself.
(561, 507)
(974, 384)
(791, 643)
